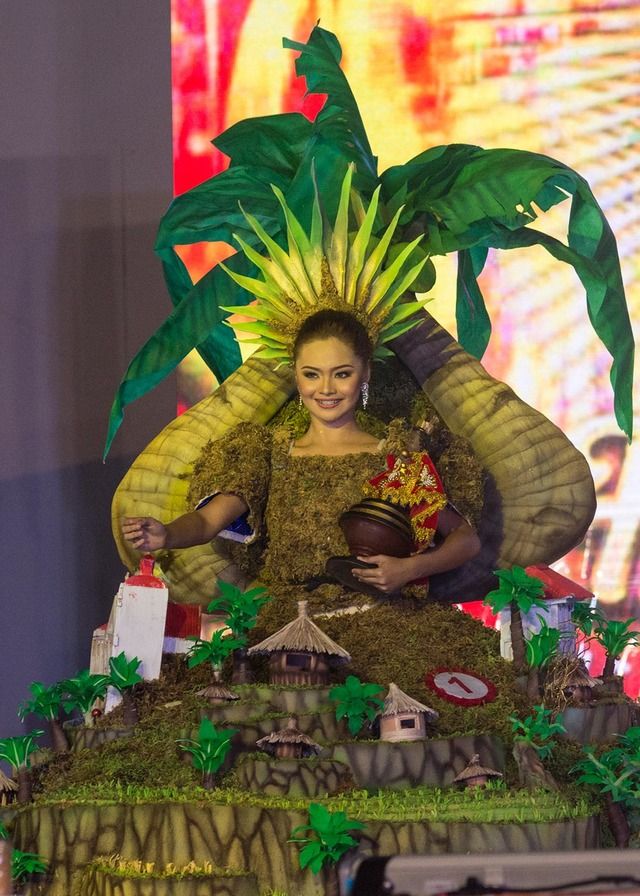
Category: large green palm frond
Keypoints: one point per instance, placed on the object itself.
(464, 198)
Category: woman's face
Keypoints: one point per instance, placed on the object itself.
(329, 376)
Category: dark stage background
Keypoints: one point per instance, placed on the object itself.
(85, 174)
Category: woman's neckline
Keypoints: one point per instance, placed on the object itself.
(378, 450)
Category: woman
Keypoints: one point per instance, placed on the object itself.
(300, 487)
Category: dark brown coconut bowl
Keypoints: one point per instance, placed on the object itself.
(377, 527)
(371, 527)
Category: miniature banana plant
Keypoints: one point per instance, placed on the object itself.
(240, 609)
(357, 702)
(616, 773)
(46, 702)
(327, 840)
(209, 751)
(17, 752)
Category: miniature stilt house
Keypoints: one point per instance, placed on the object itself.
(299, 654)
(476, 775)
(403, 718)
(289, 743)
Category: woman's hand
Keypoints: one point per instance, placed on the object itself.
(144, 533)
(390, 574)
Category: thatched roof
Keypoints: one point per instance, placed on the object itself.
(7, 785)
(397, 701)
(578, 677)
(475, 770)
(217, 691)
(290, 734)
(302, 636)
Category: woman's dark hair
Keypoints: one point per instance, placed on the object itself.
(339, 324)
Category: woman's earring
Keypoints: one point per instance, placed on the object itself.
(299, 401)
(364, 388)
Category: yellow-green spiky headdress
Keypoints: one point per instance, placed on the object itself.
(328, 268)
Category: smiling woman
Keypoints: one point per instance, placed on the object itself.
(257, 471)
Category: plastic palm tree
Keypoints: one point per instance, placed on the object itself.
(520, 592)
(124, 676)
(46, 702)
(533, 742)
(616, 773)
(240, 609)
(17, 752)
(82, 691)
(615, 636)
(214, 651)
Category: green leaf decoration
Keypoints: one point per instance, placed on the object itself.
(81, 691)
(214, 651)
(542, 646)
(538, 730)
(460, 197)
(516, 586)
(45, 702)
(356, 701)
(585, 617)
(17, 750)
(210, 750)
(24, 864)
(241, 608)
(616, 634)
(123, 673)
(329, 837)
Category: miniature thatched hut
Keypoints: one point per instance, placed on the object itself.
(476, 775)
(8, 789)
(289, 743)
(299, 653)
(403, 718)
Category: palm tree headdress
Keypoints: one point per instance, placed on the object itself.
(329, 267)
(304, 184)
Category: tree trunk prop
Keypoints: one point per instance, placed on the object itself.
(531, 772)
(242, 673)
(539, 494)
(331, 880)
(24, 784)
(130, 715)
(58, 737)
(618, 822)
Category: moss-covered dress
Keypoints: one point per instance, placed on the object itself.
(294, 504)
(295, 501)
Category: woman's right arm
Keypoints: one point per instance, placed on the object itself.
(198, 527)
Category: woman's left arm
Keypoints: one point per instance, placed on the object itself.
(461, 543)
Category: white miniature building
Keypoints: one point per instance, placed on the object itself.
(136, 627)
(560, 596)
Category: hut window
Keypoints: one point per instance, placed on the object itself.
(407, 723)
(298, 661)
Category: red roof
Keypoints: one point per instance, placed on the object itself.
(557, 586)
(182, 620)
